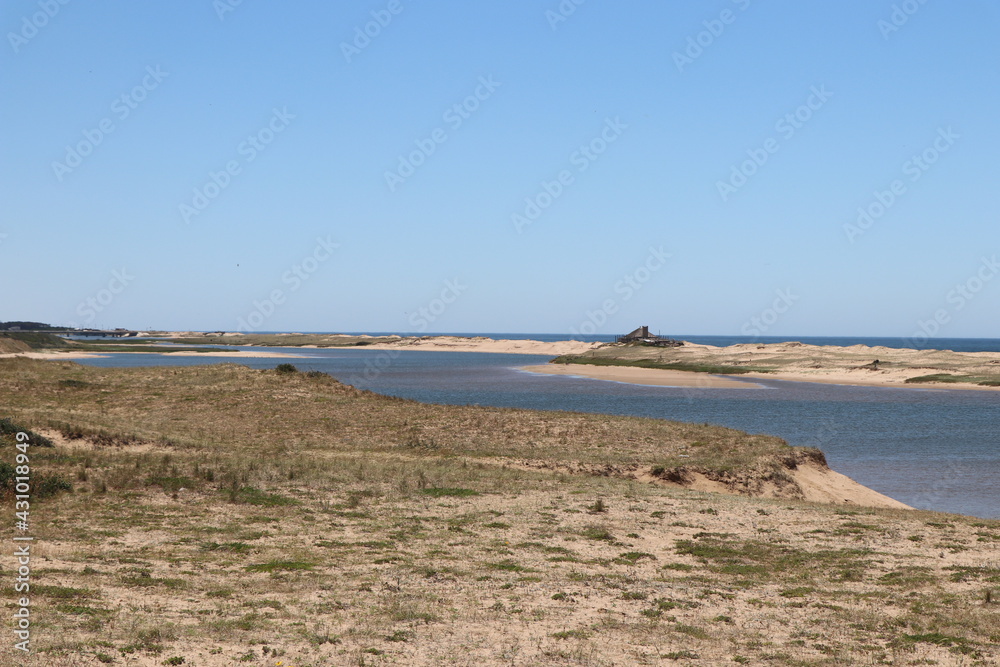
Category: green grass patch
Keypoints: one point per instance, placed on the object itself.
(62, 592)
(146, 580)
(171, 484)
(507, 565)
(597, 533)
(280, 566)
(633, 557)
(9, 428)
(948, 378)
(939, 639)
(968, 572)
(767, 561)
(444, 492)
(714, 369)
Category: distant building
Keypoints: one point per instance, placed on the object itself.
(639, 334)
(642, 335)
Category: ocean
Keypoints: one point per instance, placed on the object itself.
(929, 448)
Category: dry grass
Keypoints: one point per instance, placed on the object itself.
(230, 516)
(283, 340)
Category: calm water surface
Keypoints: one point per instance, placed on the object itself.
(932, 449)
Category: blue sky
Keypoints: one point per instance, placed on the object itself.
(698, 167)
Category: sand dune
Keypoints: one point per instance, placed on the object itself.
(799, 362)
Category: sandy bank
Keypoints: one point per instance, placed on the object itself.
(645, 376)
(62, 356)
(823, 485)
(857, 365)
(807, 480)
(481, 344)
(811, 482)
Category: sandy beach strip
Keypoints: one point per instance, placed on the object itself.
(481, 344)
(62, 356)
(645, 376)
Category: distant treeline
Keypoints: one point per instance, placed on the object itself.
(30, 326)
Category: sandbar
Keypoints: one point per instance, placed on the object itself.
(483, 344)
(644, 376)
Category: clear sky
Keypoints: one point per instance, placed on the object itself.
(505, 166)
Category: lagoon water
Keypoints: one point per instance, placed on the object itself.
(929, 448)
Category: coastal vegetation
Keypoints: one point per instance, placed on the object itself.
(17, 341)
(949, 378)
(717, 369)
(857, 364)
(218, 515)
(283, 340)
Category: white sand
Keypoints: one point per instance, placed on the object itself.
(54, 355)
(481, 344)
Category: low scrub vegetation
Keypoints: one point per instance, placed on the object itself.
(258, 518)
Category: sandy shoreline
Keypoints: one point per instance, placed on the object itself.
(642, 376)
(668, 378)
(856, 365)
(480, 344)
